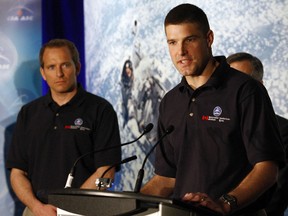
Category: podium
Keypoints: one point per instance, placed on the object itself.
(107, 203)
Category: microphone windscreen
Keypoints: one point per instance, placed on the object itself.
(169, 129)
(134, 157)
(148, 128)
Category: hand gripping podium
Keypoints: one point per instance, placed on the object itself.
(107, 203)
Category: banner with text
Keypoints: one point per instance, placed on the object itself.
(20, 80)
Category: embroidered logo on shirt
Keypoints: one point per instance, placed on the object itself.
(217, 111)
(77, 125)
(78, 122)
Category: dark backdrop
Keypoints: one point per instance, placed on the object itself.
(64, 19)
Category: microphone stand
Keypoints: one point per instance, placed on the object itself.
(141, 171)
(70, 177)
(107, 182)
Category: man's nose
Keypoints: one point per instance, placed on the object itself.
(59, 72)
(182, 49)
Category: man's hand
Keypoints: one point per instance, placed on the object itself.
(44, 210)
(204, 200)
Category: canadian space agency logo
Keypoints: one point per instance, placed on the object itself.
(20, 12)
(4, 61)
(78, 122)
(8, 57)
(217, 111)
(77, 125)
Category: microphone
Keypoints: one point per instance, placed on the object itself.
(147, 129)
(107, 182)
(70, 177)
(141, 171)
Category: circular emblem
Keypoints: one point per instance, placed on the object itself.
(8, 58)
(217, 111)
(78, 122)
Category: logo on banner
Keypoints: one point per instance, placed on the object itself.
(8, 57)
(19, 12)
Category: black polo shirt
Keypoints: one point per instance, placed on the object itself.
(49, 138)
(222, 129)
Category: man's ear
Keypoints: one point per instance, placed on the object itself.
(78, 68)
(42, 73)
(210, 38)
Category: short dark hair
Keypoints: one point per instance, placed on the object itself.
(187, 13)
(60, 43)
(257, 65)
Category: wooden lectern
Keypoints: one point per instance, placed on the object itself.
(107, 203)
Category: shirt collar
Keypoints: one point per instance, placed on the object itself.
(214, 81)
(76, 100)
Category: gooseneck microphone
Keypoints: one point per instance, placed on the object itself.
(104, 182)
(146, 130)
(141, 171)
(70, 177)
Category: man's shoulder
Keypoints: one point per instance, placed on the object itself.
(282, 121)
(36, 102)
(96, 100)
(283, 126)
(176, 90)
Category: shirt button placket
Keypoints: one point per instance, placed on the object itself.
(55, 127)
(191, 113)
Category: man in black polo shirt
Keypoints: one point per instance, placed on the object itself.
(54, 130)
(252, 66)
(226, 148)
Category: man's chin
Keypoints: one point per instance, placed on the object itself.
(187, 72)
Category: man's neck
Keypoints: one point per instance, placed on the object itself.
(197, 81)
(63, 98)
